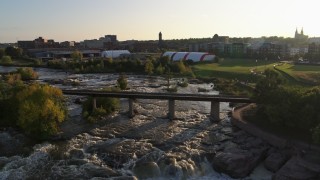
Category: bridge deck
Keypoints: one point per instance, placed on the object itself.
(167, 96)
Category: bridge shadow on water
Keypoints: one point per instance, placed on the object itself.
(188, 127)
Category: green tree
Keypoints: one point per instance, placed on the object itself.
(148, 68)
(2, 53)
(270, 82)
(105, 106)
(122, 82)
(76, 55)
(165, 60)
(13, 52)
(160, 69)
(181, 67)
(41, 110)
(27, 73)
(6, 60)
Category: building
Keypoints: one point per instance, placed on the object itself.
(273, 50)
(38, 44)
(190, 56)
(220, 39)
(160, 42)
(26, 44)
(314, 49)
(67, 44)
(115, 53)
(300, 36)
(101, 42)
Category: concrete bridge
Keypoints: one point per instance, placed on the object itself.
(171, 97)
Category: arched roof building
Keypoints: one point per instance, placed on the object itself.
(193, 56)
(114, 53)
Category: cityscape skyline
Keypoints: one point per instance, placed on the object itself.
(77, 20)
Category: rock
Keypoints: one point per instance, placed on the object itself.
(77, 162)
(297, 168)
(153, 156)
(173, 169)
(214, 138)
(146, 170)
(3, 161)
(76, 154)
(236, 163)
(274, 161)
(120, 178)
(97, 171)
(78, 101)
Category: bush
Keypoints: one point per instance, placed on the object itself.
(6, 60)
(27, 74)
(105, 106)
(183, 84)
(41, 110)
(172, 89)
(122, 82)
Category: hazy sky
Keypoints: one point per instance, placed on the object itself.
(76, 20)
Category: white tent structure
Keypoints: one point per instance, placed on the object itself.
(170, 54)
(114, 53)
(193, 56)
(180, 56)
(200, 56)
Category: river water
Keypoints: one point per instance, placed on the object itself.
(147, 146)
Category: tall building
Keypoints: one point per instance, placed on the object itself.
(300, 36)
(160, 40)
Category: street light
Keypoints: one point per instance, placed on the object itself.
(256, 64)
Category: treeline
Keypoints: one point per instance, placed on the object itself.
(151, 66)
(35, 108)
(8, 54)
(288, 108)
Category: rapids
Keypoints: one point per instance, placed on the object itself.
(148, 146)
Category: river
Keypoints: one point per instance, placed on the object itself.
(148, 146)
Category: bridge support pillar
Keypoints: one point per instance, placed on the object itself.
(94, 103)
(215, 111)
(171, 109)
(131, 113)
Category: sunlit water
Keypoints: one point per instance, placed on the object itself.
(147, 146)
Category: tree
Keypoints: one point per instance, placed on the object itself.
(122, 82)
(27, 74)
(2, 53)
(271, 82)
(148, 68)
(181, 67)
(41, 110)
(76, 55)
(6, 60)
(165, 60)
(105, 106)
(159, 69)
(13, 52)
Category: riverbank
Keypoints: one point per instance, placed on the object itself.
(292, 155)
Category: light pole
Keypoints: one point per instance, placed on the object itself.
(256, 65)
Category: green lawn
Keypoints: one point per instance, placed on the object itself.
(247, 70)
(240, 69)
(307, 74)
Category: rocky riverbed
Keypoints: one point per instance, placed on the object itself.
(147, 146)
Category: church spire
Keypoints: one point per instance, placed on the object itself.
(302, 31)
(296, 34)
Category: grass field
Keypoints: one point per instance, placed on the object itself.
(247, 70)
(305, 74)
(241, 69)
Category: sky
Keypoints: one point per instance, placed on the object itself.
(77, 20)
